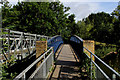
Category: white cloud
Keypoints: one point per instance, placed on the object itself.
(81, 10)
(14, 1)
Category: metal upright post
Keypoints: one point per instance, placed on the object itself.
(44, 69)
(30, 44)
(91, 66)
(114, 77)
(14, 43)
(24, 77)
(53, 56)
(35, 40)
(21, 43)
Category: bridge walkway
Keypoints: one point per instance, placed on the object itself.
(67, 64)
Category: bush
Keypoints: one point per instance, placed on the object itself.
(101, 49)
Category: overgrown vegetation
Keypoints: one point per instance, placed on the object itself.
(102, 49)
(43, 39)
(9, 60)
(107, 52)
(5, 75)
(85, 68)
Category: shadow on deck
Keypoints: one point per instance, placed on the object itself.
(67, 65)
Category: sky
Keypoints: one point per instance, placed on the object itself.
(83, 8)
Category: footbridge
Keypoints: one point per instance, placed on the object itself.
(57, 60)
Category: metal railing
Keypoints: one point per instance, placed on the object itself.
(19, 43)
(115, 75)
(42, 71)
(55, 42)
(105, 75)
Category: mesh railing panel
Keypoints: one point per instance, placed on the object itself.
(49, 63)
(44, 68)
(39, 74)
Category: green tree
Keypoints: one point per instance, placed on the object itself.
(37, 17)
(83, 30)
(116, 33)
(72, 24)
(5, 13)
(103, 26)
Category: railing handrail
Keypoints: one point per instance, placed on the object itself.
(79, 38)
(103, 63)
(30, 66)
(19, 32)
(53, 38)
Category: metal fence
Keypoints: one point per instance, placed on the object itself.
(102, 71)
(18, 43)
(42, 71)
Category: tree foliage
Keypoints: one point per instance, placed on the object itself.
(98, 27)
(43, 18)
(116, 34)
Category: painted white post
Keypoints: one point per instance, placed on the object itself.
(24, 77)
(44, 68)
(113, 77)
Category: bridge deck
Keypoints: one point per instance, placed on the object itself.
(66, 66)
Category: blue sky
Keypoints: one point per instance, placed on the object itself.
(107, 6)
(83, 8)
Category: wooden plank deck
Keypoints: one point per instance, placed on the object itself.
(67, 65)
